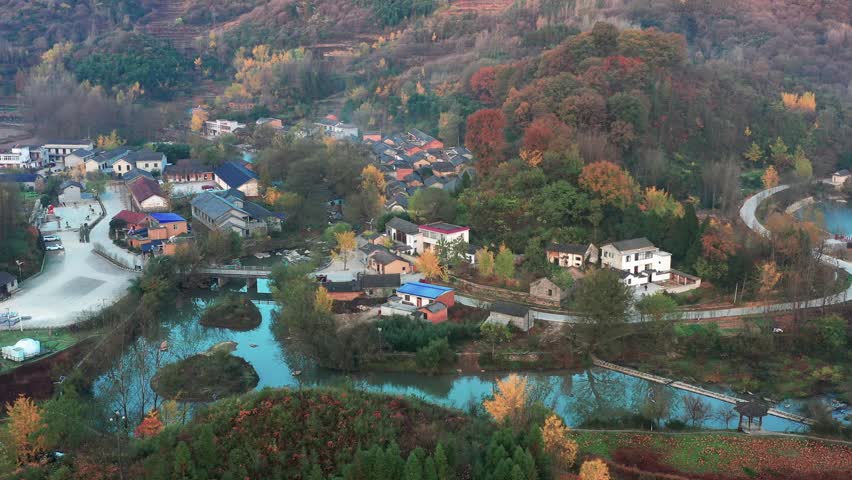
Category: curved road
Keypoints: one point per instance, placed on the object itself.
(748, 214)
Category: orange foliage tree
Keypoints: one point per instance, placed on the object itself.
(770, 177)
(557, 443)
(594, 470)
(805, 102)
(429, 265)
(545, 133)
(199, 116)
(151, 426)
(509, 403)
(718, 242)
(483, 84)
(661, 203)
(485, 137)
(25, 426)
(609, 182)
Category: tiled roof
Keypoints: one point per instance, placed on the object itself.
(442, 227)
(568, 248)
(144, 188)
(511, 309)
(389, 280)
(435, 307)
(213, 205)
(136, 218)
(235, 174)
(425, 290)
(443, 167)
(384, 257)
(70, 183)
(7, 278)
(143, 155)
(633, 244)
(18, 177)
(135, 174)
(187, 166)
(403, 226)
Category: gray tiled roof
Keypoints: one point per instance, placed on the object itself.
(633, 244)
(403, 226)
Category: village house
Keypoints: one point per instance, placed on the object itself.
(132, 220)
(403, 231)
(333, 128)
(70, 191)
(217, 128)
(273, 123)
(838, 178)
(371, 286)
(121, 166)
(22, 157)
(434, 233)
(136, 173)
(79, 157)
(147, 160)
(420, 300)
(156, 237)
(571, 255)
(639, 260)
(235, 175)
(103, 161)
(229, 211)
(146, 195)
(189, 170)
(57, 150)
(30, 182)
(8, 284)
(505, 313)
(544, 290)
(382, 262)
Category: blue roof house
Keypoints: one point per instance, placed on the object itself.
(235, 175)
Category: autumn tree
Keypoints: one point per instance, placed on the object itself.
(151, 426)
(449, 128)
(111, 141)
(345, 246)
(754, 153)
(199, 116)
(769, 277)
(509, 403)
(485, 137)
(805, 102)
(25, 427)
(494, 334)
(322, 300)
(780, 152)
(661, 203)
(428, 265)
(609, 182)
(546, 132)
(504, 263)
(558, 444)
(802, 165)
(594, 470)
(485, 262)
(483, 84)
(770, 177)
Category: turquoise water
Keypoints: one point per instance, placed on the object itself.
(838, 218)
(248, 157)
(576, 396)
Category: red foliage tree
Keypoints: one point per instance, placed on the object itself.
(485, 137)
(151, 426)
(545, 133)
(611, 183)
(483, 83)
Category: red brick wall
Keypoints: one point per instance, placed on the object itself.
(448, 299)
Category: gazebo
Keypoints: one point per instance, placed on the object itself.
(751, 409)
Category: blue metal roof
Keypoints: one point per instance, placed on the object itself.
(167, 217)
(148, 247)
(234, 174)
(425, 290)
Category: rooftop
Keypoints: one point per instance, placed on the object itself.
(146, 154)
(144, 188)
(441, 227)
(167, 217)
(384, 257)
(425, 290)
(18, 177)
(391, 280)
(403, 226)
(234, 174)
(7, 278)
(136, 218)
(511, 309)
(633, 244)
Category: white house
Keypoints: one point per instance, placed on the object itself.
(217, 128)
(104, 161)
(79, 157)
(337, 130)
(433, 233)
(70, 191)
(404, 232)
(639, 260)
(147, 196)
(235, 175)
(57, 150)
(839, 177)
(21, 157)
(147, 160)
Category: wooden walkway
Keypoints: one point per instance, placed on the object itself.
(692, 388)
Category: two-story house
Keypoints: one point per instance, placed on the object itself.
(159, 229)
(404, 232)
(434, 233)
(217, 128)
(229, 211)
(571, 255)
(147, 160)
(21, 157)
(235, 175)
(420, 300)
(639, 260)
(57, 150)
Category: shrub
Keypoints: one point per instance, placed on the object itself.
(403, 334)
(435, 355)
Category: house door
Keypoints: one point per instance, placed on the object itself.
(419, 302)
(636, 269)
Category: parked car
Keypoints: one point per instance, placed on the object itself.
(51, 238)
(208, 187)
(54, 247)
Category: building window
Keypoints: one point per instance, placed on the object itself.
(549, 292)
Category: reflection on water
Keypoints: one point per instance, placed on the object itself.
(838, 218)
(577, 397)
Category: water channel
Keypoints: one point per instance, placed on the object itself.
(576, 396)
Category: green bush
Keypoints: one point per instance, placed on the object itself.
(435, 355)
(403, 334)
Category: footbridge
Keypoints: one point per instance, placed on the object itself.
(233, 271)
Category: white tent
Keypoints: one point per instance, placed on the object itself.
(24, 349)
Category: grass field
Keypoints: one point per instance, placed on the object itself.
(51, 340)
(723, 453)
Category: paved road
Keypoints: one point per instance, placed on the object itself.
(74, 282)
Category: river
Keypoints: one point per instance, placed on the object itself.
(576, 396)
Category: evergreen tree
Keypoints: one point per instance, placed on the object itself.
(183, 463)
(429, 470)
(442, 467)
(414, 466)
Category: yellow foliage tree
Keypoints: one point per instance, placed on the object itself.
(770, 177)
(345, 246)
(531, 157)
(199, 116)
(372, 179)
(769, 277)
(661, 203)
(805, 102)
(594, 470)
(429, 265)
(754, 153)
(111, 141)
(485, 262)
(323, 301)
(557, 443)
(509, 401)
(25, 426)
